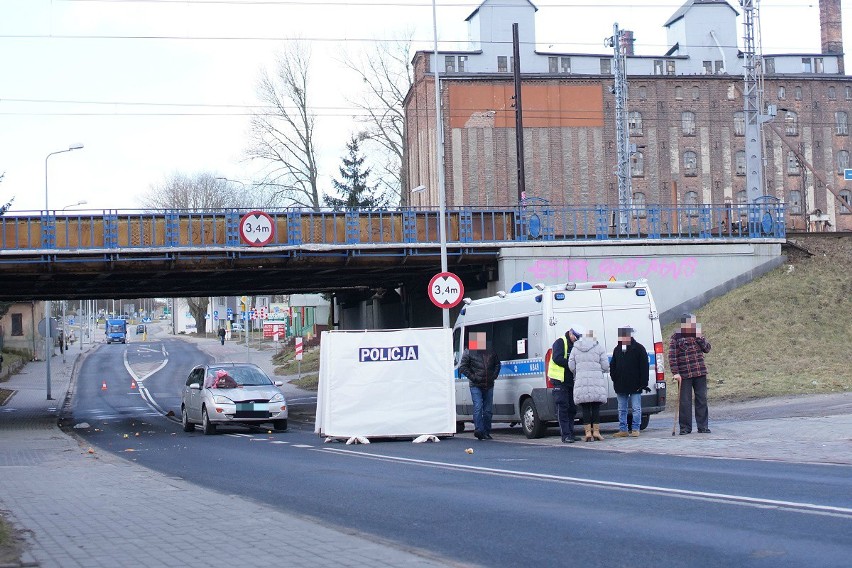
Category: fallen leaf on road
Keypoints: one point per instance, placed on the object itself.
(469, 451)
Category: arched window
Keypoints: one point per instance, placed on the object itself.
(792, 164)
(740, 162)
(739, 123)
(687, 120)
(742, 202)
(798, 92)
(690, 199)
(791, 123)
(841, 121)
(690, 163)
(637, 164)
(782, 93)
(794, 202)
(639, 205)
(842, 161)
(846, 197)
(832, 93)
(634, 123)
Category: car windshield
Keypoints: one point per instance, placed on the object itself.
(116, 328)
(244, 376)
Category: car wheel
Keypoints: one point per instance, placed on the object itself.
(208, 427)
(530, 422)
(459, 427)
(645, 419)
(184, 420)
(279, 424)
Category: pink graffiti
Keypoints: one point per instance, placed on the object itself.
(580, 270)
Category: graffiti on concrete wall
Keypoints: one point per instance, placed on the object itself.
(580, 270)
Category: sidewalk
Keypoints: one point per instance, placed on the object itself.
(78, 508)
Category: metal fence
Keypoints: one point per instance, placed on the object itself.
(396, 227)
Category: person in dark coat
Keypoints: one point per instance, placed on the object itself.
(481, 366)
(686, 360)
(628, 370)
(563, 382)
(221, 335)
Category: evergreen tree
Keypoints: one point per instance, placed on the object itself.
(353, 187)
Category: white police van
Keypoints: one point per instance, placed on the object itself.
(522, 327)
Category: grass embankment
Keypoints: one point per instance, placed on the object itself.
(286, 364)
(10, 544)
(13, 361)
(786, 332)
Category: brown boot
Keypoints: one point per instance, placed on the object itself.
(596, 432)
(588, 429)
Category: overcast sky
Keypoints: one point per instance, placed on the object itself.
(154, 87)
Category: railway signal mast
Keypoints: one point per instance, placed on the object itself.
(619, 43)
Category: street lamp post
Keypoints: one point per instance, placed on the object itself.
(439, 158)
(48, 343)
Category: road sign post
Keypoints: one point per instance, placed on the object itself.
(446, 290)
(298, 348)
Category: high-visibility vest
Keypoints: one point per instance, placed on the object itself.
(555, 371)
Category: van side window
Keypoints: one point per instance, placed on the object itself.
(457, 348)
(503, 337)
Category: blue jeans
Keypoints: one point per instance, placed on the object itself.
(635, 401)
(482, 402)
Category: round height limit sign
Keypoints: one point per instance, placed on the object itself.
(446, 290)
(257, 228)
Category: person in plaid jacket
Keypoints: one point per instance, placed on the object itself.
(686, 361)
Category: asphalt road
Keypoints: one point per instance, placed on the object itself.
(507, 504)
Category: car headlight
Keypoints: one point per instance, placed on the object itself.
(277, 398)
(219, 399)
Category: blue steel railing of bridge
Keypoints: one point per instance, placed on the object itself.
(407, 227)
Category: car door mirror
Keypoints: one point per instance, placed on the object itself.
(195, 386)
(279, 383)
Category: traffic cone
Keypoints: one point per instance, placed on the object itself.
(132, 384)
(103, 386)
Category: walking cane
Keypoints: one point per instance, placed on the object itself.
(677, 408)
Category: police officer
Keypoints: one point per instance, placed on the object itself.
(563, 382)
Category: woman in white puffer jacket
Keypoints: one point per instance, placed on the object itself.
(589, 361)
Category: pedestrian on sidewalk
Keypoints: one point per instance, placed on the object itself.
(588, 361)
(563, 382)
(221, 334)
(686, 361)
(628, 370)
(481, 366)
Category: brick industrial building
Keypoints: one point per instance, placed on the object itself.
(685, 117)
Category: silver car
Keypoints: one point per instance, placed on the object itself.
(248, 397)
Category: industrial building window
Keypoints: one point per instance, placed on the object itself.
(696, 93)
(769, 65)
(849, 93)
(782, 93)
(565, 62)
(842, 161)
(634, 123)
(658, 67)
(794, 202)
(670, 67)
(832, 93)
(639, 205)
(798, 93)
(637, 164)
(846, 197)
(678, 93)
(708, 67)
(553, 64)
(17, 324)
(450, 63)
(791, 123)
(742, 202)
(739, 123)
(719, 68)
(792, 164)
(691, 202)
(740, 161)
(690, 163)
(462, 61)
(643, 93)
(841, 121)
(819, 66)
(806, 65)
(687, 120)
(606, 67)
(502, 64)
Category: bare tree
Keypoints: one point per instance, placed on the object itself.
(5, 206)
(386, 74)
(283, 136)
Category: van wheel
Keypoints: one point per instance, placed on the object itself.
(645, 419)
(459, 427)
(530, 422)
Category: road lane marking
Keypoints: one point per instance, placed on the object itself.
(278, 442)
(756, 502)
(302, 446)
